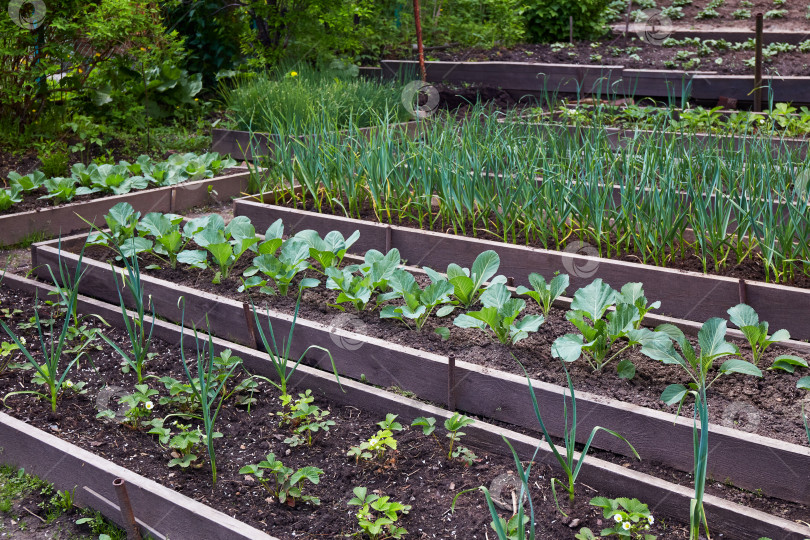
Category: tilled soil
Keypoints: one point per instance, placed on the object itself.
(417, 473)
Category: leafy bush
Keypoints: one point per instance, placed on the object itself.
(84, 36)
(548, 20)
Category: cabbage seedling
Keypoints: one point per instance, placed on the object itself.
(746, 319)
(500, 313)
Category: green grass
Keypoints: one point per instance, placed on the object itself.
(300, 100)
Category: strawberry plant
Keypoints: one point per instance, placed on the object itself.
(304, 417)
(378, 515)
(375, 447)
(288, 485)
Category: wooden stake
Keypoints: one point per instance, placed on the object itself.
(451, 382)
(571, 29)
(419, 44)
(758, 67)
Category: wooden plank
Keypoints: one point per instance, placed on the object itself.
(665, 498)
(738, 35)
(66, 219)
(494, 394)
(785, 89)
(672, 84)
(573, 78)
(570, 78)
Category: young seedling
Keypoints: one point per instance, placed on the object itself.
(304, 417)
(602, 329)
(377, 446)
(419, 303)
(280, 357)
(140, 340)
(378, 515)
(327, 252)
(746, 319)
(375, 272)
(139, 405)
(629, 518)
(453, 425)
(545, 293)
(288, 485)
(48, 373)
(281, 269)
(468, 284)
(206, 386)
(228, 243)
(499, 314)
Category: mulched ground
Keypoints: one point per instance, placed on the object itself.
(417, 474)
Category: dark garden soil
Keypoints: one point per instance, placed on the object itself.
(417, 474)
(795, 20)
(33, 201)
(22, 162)
(632, 53)
(770, 406)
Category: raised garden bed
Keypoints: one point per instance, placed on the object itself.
(623, 138)
(684, 295)
(476, 389)
(665, 498)
(246, 145)
(67, 218)
(607, 80)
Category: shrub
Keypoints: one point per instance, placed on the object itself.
(548, 20)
